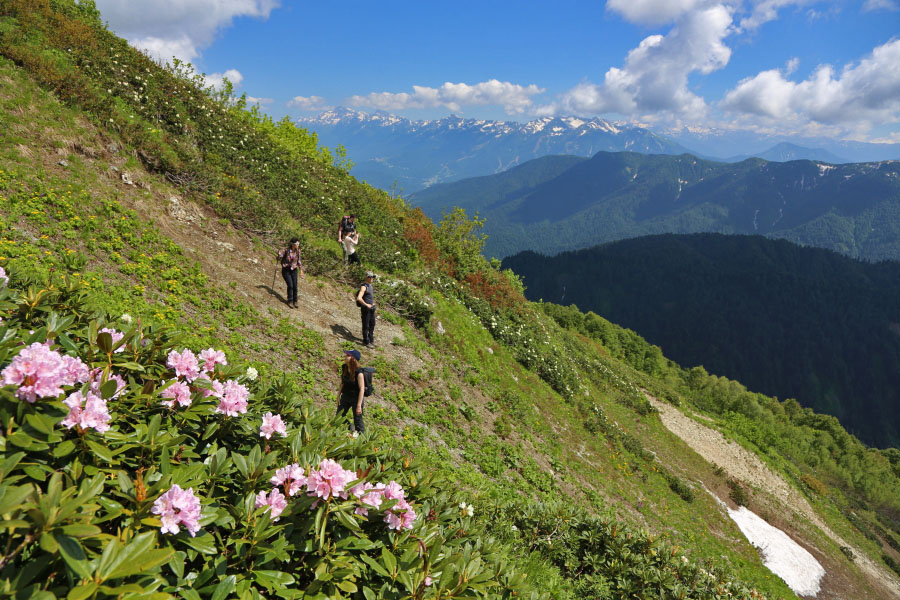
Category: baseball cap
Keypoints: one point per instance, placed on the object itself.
(354, 353)
(370, 274)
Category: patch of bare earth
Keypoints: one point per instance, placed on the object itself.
(786, 502)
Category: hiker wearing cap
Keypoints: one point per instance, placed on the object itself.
(351, 390)
(365, 299)
(291, 267)
(346, 227)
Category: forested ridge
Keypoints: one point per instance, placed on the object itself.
(784, 320)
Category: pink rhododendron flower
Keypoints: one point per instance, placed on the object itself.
(427, 580)
(178, 507)
(275, 500)
(177, 392)
(292, 477)
(185, 364)
(393, 491)
(369, 495)
(3, 278)
(233, 399)
(272, 424)
(210, 358)
(400, 516)
(116, 336)
(329, 481)
(41, 372)
(86, 412)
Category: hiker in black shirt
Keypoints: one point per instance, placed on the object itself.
(365, 299)
(351, 390)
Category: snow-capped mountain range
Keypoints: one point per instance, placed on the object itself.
(389, 150)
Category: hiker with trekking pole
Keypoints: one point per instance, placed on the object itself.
(291, 268)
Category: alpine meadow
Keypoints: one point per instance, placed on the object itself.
(167, 425)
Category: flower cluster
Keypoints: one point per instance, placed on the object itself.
(41, 372)
(275, 500)
(272, 424)
(184, 363)
(210, 358)
(178, 507)
(233, 399)
(177, 391)
(86, 411)
(330, 481)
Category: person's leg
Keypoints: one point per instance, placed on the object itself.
(353, 259)
(362, 315)
(294, 275)
(370, 327)
(342, 409)
(286, 275)
(344, 250)
(358, 424)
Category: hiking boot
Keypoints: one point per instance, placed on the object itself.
(295, 305)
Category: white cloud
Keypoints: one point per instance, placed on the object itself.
(874, 5)
(514, 98)
(179, 28)
(654, 78)
(217, 80)
(764, 11)
(308, 103)
(652, 12)
(858, 97)
(251, 100)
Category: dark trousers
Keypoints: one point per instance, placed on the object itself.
(349, 403)
(354, 258)
(290, 278)
(368, 324)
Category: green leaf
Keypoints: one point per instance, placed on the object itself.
(225, 587)
(108, 389)
(100, 450)
(65, 448)
(272, 579)
(143, 561)
(40, 423)
(205, 543)
(73, 554)
(131, 366)
(82, 591)
(388, 560)
(81, 530)
(375, 566)
(368, 593)
(347, 586)
(13, 497)
(104, 342)
(176, 563)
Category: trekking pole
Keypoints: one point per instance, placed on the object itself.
(274, 277)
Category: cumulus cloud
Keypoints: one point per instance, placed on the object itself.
(308, 103)
(654, 78)
(179, 28)
(514, 98)
(652, 12)
(251, 100)
(858, 96)
(763, 11)
(217, 80)
(875, 5)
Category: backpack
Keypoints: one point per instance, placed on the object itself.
(347, 226)
(367, 378)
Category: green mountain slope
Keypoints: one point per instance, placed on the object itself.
(794, 322)
(847, 208)
(578, 489)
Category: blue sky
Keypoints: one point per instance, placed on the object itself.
(828, 68)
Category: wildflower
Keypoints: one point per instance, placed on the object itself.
(178, 507)
(97, 380)
(272, 424)
(86, 412)
(177, 392)
(185, 364)
(402, 520)
(4, 279)
(40, 372)
(233, 399)
(369, 495)
(291, 476)
(251, 374)
(329, 481)
(116, 336)
(393, 491)
(427, 580)
(210, 358)
(126, 318)
(275, 500)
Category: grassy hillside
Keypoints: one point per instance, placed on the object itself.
(577, 488)
(788, 321)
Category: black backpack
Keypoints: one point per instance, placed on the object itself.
(367, 378)
(347, 226)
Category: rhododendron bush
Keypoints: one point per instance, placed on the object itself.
(132, 466)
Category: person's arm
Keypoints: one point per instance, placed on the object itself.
(361, 382)
(341, 231)
(359, 296)
(300, 263)
(340, 389)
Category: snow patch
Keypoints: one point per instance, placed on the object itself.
(824, 168)
(783, 556)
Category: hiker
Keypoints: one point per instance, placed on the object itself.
(351, 240)
(351, 390)
(365, 299)
(346, 226)
(291, 267)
